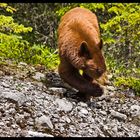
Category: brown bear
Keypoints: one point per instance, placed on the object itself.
(80, 48)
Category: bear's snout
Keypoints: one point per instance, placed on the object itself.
(99, 71)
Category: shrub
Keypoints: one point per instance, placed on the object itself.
(40, 54)
(131, 82)
(12, 46)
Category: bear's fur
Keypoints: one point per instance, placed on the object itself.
(80, 49)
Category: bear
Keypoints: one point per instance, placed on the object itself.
(80, 48)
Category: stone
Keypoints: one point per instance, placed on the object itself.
(84, 111)
(22, 64)
(58, 90)
(22, 123)
(103, 112)
(65, 119)
(2, 124)
(110, 88)
(14, 126)
(39, 76)
(82, 125)
(37, 134)
(55, 115)
(115, 129)
(103, 97)
(135, 110)
(82, 104)
(5, 85)
(18, 97)
(118, 115)
(105, 127)
(68, 120)
(63, 104)
(44, 121)
(72, 128)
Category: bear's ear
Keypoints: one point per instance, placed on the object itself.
(83, 51)
(101, 44)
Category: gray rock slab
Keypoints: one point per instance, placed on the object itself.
(63, 104)
(18, 97)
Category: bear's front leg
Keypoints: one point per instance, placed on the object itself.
(97, 87)
(71, 75)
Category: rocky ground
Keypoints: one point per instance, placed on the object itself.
(34, 103)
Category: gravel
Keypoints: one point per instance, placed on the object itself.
(31, 108)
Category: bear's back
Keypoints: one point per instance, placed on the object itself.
(78, 14)
(80, 24)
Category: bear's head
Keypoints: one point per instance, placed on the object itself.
(93, 59)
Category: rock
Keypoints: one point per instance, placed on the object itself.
(22, 123)
(110, 88)
(44, 121)
(22, 64)
(18, 97)
(5, 85)
(82, 125)
(118, 115)
(72, 128)
(84, 111)
(2, 124)
(105, 127)
(65, 119)
(82, 104)
(14, 126)
(62, 129)
(135, 110)
(55, 115)
(39, 76)
(68, 120)
(63, 104)
(37, 134)
(103, 112)
(115, 129)
(58, 90)
(103, 97)
(12, 111)
(109, 76)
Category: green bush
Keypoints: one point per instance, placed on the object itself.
(12, 46)
(130, 82)
(41, 54)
